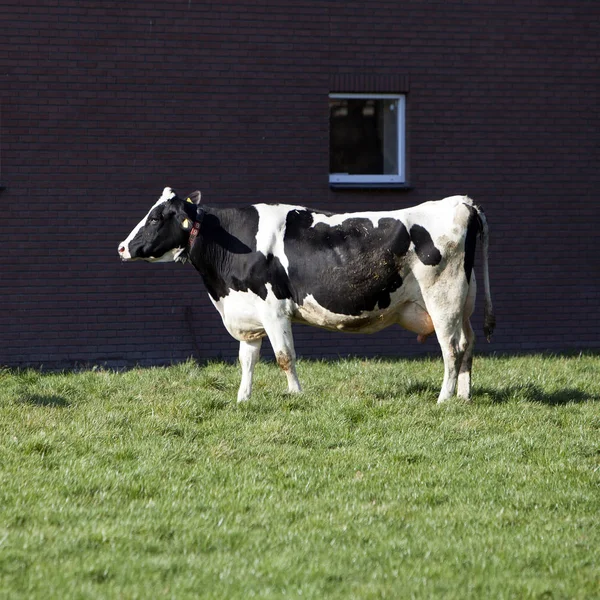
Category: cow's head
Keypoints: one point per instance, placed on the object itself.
(163, 234)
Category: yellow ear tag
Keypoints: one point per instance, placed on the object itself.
(189, 200)
(186, 224)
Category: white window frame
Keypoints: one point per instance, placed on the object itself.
(396, 178)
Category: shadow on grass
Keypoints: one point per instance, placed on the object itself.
(533, 393)
(524, 393)
(419, 388)
(44, 400)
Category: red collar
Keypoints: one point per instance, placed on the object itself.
(196, 228)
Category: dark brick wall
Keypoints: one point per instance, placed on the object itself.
(102, 107)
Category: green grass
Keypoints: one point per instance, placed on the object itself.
(154, 483)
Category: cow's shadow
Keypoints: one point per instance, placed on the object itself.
(43, 400)
(528, 392)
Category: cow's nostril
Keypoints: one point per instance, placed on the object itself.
(121, 249)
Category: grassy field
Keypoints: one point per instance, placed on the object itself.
(154, 483)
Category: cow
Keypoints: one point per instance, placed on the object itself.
(266, 266)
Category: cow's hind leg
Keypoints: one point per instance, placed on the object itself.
(468, 341)
(450, 345)
(249, 355)
(279, 332)
(449, 331)
(464, 375)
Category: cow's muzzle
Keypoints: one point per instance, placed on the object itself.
(124, 252)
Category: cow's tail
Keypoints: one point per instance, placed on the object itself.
(489, 319)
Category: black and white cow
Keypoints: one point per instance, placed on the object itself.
(266, 266)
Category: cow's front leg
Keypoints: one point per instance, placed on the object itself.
(249, 355)
(279, 332)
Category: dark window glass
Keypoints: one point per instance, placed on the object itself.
(363, 136)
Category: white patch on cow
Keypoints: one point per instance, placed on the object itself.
(437, 216)
(334, 220)
(406, 309)
(434, 216)
(271, 230)
(170, 256)
(245, 314)
(313, 313)
(240, 312)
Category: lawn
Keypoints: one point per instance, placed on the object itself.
(154, 483)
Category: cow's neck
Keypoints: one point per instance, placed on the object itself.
(214, 249)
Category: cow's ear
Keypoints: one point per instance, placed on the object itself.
(186, 224)
(194, 198)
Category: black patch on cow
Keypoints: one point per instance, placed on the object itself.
(226, 257)
(255, 272)
(349, 268)
(424, 247)
(473, 228)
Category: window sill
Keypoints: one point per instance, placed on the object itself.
(363, 185)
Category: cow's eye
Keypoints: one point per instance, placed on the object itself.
(154, 220)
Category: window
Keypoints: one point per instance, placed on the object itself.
(366, 139)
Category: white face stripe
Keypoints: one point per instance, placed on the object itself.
(167, 194)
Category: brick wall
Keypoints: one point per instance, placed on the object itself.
(102, 107)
